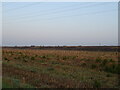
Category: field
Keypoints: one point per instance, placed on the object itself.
(36, 68)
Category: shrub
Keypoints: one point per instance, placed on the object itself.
(54, 62)
(32, 58)
(18, 58)
(83, 64)
(110, 60)
(20, 53)
(25, 60)
(25, 56)
(112, 68)
(74, 57)
(43, 57)
(33, 70)
(93, 66)
(96, 84)
(88, 59)
(65, 57)
(108, 75)
(58, 56)
(5, 58)
(50, 69)
(98, 60)
(104, 62)
(41, 61)
(26, 86)
(15, 58)
(36, 55)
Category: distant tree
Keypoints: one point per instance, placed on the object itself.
(32, 45)
(16, 46)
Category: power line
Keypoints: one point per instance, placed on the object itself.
(30, 14)
(28, 5)
(55, 12)
(66, 16)
(97, 12)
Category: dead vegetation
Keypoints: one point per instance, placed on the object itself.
(59, 69)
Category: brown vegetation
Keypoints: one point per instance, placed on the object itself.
(59, 68)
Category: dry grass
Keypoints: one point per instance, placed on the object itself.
(60, 68)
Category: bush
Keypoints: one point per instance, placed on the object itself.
(93, 66)
(5, 58)
(83, 64)
(20, 53)
(41, 61)
(98, 60)
(110, 60)
(96, 84)
(108, 75)
(25, 60)
(43, 57)
(15, 58)
(32, 58)
(65, 57)
(36, 55)
(18, 57)
(112, 68)
(55, 62)
(104, 62)
(50, 69)
(33, 70)
(74, 57)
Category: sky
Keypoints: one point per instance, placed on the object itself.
(60, 23)
(0, 24)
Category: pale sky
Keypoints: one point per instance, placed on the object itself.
(57, 23)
